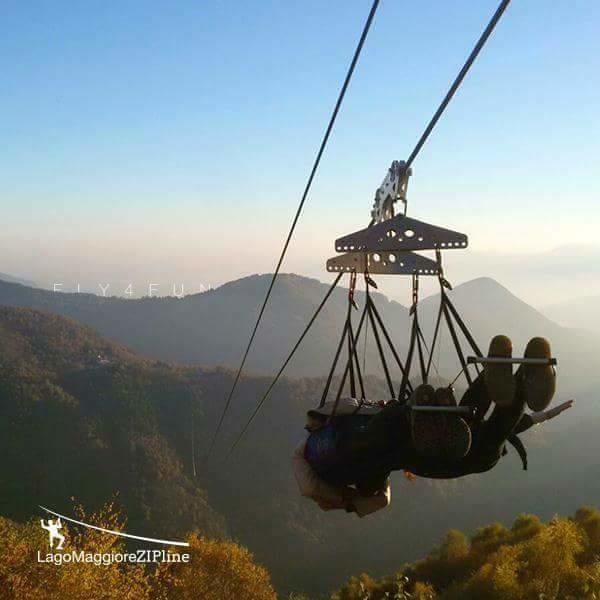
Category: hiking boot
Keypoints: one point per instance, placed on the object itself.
(422, 395)
(499, 379)
(438, 435)
(444, 396)
(538, 381)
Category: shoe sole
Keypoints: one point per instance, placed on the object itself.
(499, 379)
(539, 382)
(441, 436)
(437, 435)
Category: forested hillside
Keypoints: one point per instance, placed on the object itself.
(83, 417)
(212, 328)
(528, 561)
(217, 569)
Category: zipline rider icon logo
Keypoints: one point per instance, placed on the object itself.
(106, 555)
(52, 528)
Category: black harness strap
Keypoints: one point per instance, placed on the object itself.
(414, 336)
(514, 440)
(463, 327)
(353, 356)
(455, 340)
(403, 392)
(354, 353)
(381, 353)
(420, 337)
(336, 359)
(420, 343)
(388, 339)
(339, 394)
(351, 363)
(434, 340)
(438, 322)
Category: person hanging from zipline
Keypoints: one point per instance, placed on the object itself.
(314, 455)
(352, 448)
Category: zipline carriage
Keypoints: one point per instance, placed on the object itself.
(388, 246)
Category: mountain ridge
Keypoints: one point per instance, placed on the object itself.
(212, 328)
(578, 313)
(12, 279)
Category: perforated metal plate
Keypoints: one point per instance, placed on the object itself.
(383, 263)
(401, 233)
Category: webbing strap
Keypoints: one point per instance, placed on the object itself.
(351, 364)
(381, 353)
(335, 361)
(455, 340)
(415, 340)
(436, 333)
(353, 356)
(354, 353)
(388, 339)
(514, 440)
(464, 329)
(339, 394)
(403, 391)
(420, 343)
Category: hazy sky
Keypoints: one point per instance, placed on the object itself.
(169, 141)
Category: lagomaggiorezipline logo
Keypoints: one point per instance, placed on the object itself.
(59, 555)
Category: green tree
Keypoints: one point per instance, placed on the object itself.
(219, 570)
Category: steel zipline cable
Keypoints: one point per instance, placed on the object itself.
(285, 364)
(459, 78)
(432, 123)
(309, 182)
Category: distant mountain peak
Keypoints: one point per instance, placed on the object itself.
(487, 290)
(266, 278)
(488, 283)
(12, 279)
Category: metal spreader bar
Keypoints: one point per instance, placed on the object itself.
(383, 263)
(401, 233)
(498, 360)
(457, 410)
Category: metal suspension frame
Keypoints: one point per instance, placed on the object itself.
(392, 189)
(454, 322)
(352, 373)
(352, 370)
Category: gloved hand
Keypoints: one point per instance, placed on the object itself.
(554, 412)
(544, 415)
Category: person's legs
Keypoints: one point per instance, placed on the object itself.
(389, 425)
(534, 386)
(370, 451)
(498, 377)
(493, 432)
(439, 435)
(478, 398)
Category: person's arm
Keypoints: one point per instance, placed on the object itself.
(365, 505)
(312, 486)
(528, 421)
